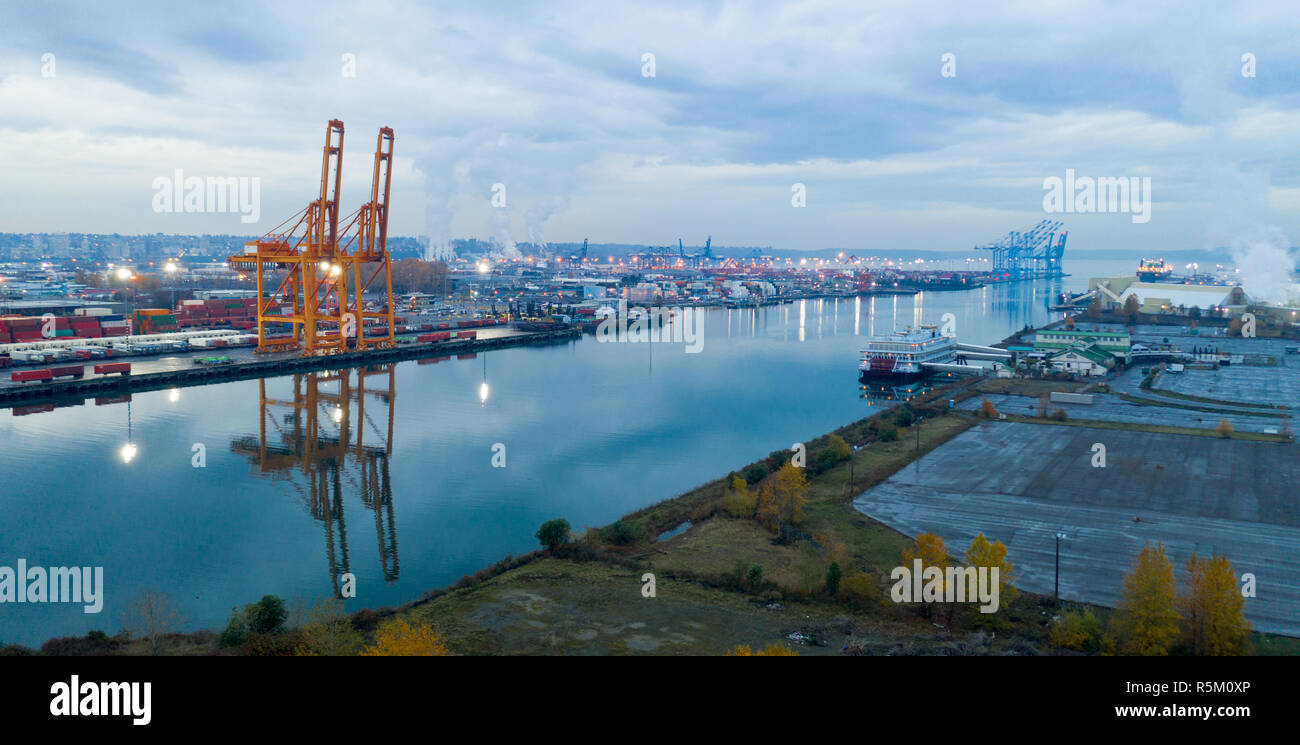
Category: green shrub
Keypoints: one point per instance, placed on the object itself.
(904, 416)
(266, 616)
(824, 461)
(755, 473)
(1078, 631)
(236, 631)
(837, 445)
(553, 533)
(833, 579)
(778, 458)
(620, 533)
(888, 435)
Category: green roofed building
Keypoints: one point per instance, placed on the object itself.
(1087, 359)
(1115, 342)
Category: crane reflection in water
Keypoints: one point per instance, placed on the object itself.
(323, 441)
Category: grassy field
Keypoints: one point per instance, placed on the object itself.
(1138, 427)
(1204, 400)
(1024, 387)
(1170, 404)
(703, 604)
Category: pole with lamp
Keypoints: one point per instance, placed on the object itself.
(853, 452)
(170, 269)
(1056, 594)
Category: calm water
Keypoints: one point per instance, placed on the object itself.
(591, 431)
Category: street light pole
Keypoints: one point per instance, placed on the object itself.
(853, 451)
(1056, 594)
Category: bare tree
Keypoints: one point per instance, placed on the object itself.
(151, 616)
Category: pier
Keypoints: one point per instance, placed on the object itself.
(187, 374)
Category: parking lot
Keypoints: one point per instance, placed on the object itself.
(1023, 483)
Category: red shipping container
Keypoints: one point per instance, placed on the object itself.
(466, 334)
(75, 371)
(22, 376)
(113, 367)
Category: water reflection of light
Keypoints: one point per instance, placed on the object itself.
(128, 452)
(483, 392)
(174, 395)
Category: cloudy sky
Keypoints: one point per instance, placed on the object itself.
(747, 99)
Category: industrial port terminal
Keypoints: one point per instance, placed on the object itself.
(323, 296)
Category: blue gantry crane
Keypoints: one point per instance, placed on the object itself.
(1035, 252)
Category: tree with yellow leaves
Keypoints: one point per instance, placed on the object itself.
(740, 501)
(1223, 428)
(773, 650)
(1146, 621)
(766, 509)
(929, 548)
(984, 554)
(1211, 604)
(400, 638)
(791, 493)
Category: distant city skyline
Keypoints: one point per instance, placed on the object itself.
(901, 129)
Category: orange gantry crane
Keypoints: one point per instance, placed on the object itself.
(310, 264)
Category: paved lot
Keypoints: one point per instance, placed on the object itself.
(1022, 483)
(1258, 385)
(1112, 408)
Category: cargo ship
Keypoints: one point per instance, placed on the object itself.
(1154, 270)
(903, 356)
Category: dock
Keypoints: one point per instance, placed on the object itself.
(179, 371)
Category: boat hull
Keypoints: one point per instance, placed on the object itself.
(879, 376)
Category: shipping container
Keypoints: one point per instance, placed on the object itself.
(113, 367)
(23, 376)
(73, 371)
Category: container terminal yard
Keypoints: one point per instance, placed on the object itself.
(322, 294)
